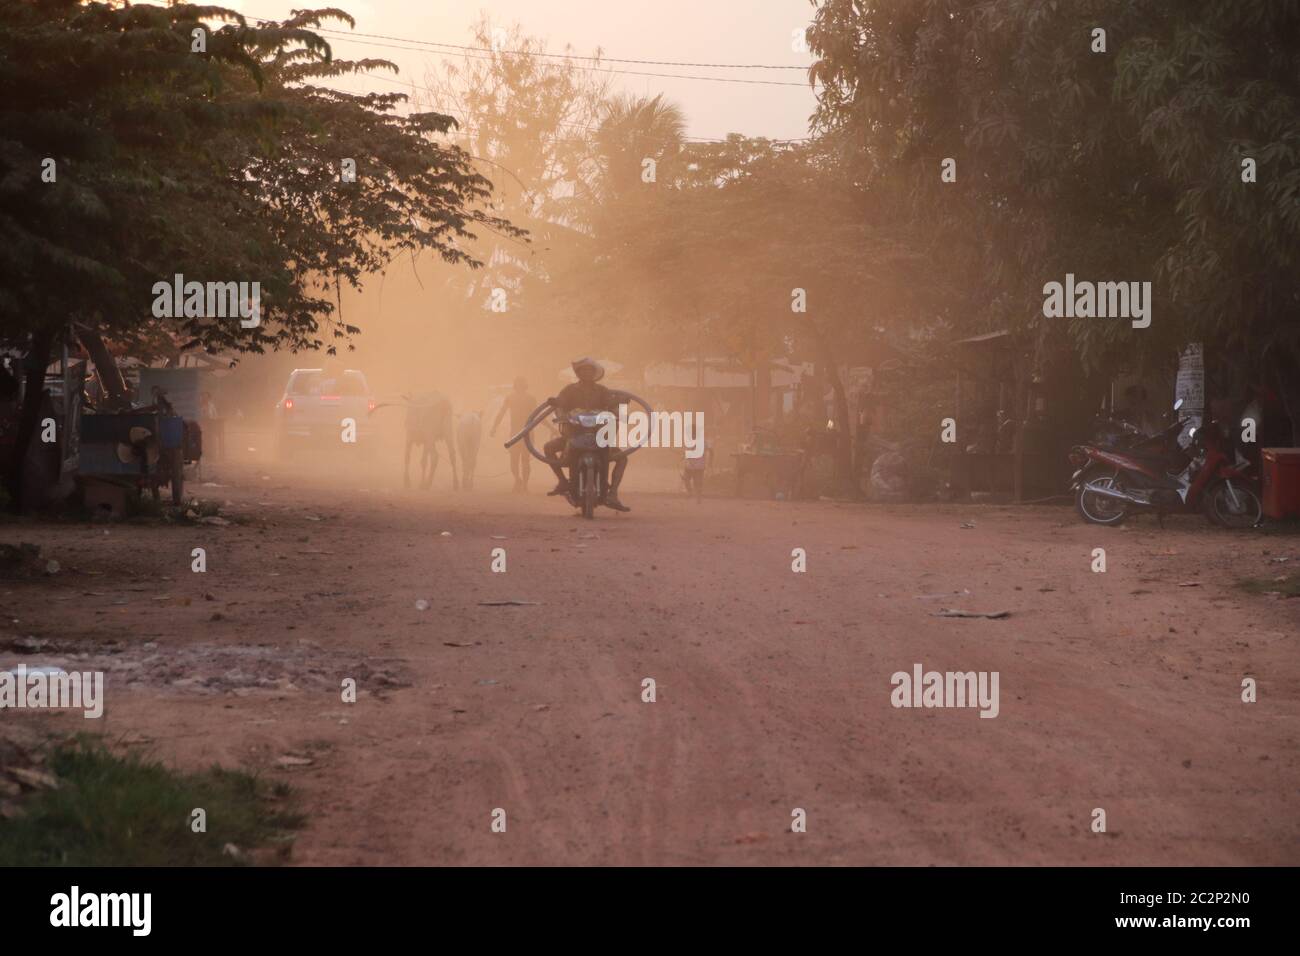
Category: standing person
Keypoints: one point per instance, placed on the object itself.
(212, 425)
(519, 402)
(694, 474)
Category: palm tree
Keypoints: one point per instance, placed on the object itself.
(634, 129)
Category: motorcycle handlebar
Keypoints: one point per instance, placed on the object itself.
(539, 413)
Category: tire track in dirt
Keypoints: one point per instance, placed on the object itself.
(773, 687)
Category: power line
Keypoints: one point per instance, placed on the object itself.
(694, 139)
(351, 38)
(574, 56)
(346, 38)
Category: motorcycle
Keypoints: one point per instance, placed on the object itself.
(586, 461)
(1155, 474)
(1112, 432)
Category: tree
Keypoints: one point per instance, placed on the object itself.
(1123, 162)
(706, 259)
(220, 164)
(527, 120)
(637, 135)
(794, 225)
(616, 268)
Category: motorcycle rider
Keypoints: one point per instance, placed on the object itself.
(585, 393)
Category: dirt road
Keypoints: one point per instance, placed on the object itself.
(1118, 690)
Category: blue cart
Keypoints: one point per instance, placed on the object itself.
(145, 449)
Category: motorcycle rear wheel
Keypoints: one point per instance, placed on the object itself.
(1096, 509)
(1233, 506)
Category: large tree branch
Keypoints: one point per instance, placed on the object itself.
(110, 376)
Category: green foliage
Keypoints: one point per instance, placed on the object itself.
(1287, 585)
(704, 259)
(1123, 164)
(222, 165)
(525, 118)
(128, 811)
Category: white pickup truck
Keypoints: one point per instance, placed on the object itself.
(316, 406)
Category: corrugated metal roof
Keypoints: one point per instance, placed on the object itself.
(718, 373)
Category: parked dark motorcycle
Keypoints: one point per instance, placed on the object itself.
(1112, 432)
(1119, 435)
(586, 461)
(1154, 474)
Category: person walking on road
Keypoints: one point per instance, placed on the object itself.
(519, 403)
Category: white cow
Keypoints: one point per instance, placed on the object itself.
(428, 421)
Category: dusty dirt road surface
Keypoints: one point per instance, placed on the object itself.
(1119, 690)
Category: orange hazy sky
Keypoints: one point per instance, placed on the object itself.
(698, 31)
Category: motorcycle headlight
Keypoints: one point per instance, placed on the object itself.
(589, 421)
(1077, 456)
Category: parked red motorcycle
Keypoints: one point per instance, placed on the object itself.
(1158, 476)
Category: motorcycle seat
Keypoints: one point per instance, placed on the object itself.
(1149, 456)
(1144, 455)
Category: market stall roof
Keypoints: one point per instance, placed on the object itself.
(717, 373)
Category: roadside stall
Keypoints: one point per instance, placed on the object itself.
(1015, 414)
(148, 446)
(773, 466)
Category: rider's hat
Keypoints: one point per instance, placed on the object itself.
(586, 362)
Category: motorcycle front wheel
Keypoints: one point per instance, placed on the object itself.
(589, 491)
(1095, 508)
(1233, 504)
